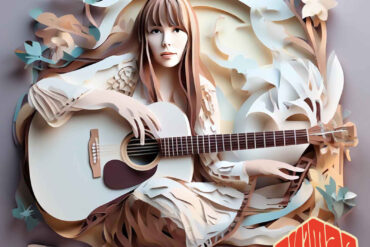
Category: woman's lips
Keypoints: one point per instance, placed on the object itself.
(167, 55)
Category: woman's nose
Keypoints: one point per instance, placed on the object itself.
(167, 39)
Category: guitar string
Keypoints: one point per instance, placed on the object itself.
(233, 138)
(286, 135)
(211, 143)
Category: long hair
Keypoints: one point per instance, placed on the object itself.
(156, 12)
(173, 13)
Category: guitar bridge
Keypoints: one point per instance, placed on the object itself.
(94, 153)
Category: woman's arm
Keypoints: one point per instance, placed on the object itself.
(225, 171)
(56, 100)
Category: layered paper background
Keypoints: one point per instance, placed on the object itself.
(348, 35)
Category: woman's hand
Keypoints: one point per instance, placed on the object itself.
(136, 113)
(270, 168)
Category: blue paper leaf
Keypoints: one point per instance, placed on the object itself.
(34, 13)
(22, 56)
(33, 49)
(341, 193)
(91, 1)
(25, 214)
(327, 198)
(32, 59)
(331, 187)
(94, 31)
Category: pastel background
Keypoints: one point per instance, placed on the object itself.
(349, 36)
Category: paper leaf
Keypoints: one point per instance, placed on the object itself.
(334, 87)
(94, 31)
(341, 193)
(22, 55)
(331, 188)
(23, 213)
(101, 3)
(269, 33)
(33, 49)
(34, 13)
(91, 1)
(327, 198)
(349, 195)
(338, 209)
(273, 10)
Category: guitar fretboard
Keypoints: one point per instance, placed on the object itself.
(186, 145)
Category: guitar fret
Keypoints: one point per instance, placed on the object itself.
(192, 148)
(255, 142)
(295, 137)
(307, 136)
(246, 141)
(173, 150)
(204, 149)
(169, 147)
(187, 145)
(216, 143)
(182, 149)
(259, 139)
(231, 143)
(165, 148)
(237, 139)
(250, 140)
(289, 137)
(209, 144)
(269, 137)
(173, 146)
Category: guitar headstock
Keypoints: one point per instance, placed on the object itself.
(330, 134)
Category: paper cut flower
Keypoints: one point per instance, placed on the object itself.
(318, 8)
(26, 214)
(126, 78)
(58, 42)
(339, 204)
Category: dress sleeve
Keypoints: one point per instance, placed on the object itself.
(54, 98)
(208, 122)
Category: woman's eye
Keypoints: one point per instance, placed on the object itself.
(177, 30)
(155, 31)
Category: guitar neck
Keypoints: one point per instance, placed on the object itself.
(187, 145)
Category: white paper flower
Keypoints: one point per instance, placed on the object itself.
(318, 8)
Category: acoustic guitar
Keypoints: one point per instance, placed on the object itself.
(67, 164)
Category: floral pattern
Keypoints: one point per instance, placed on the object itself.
(126, 78)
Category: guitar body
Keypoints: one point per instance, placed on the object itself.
(61, 177)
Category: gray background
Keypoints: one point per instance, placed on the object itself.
(349, 35)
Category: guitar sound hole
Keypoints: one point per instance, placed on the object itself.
(142, 154)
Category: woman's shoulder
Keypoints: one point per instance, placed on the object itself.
(206, 84)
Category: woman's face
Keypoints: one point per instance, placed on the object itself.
(167, 44)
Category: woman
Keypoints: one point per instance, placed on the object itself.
(170, 70)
